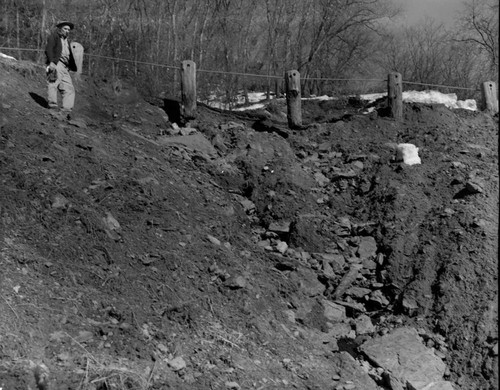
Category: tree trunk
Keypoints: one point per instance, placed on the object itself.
(42, 35)
(18, 38)
(174, 31)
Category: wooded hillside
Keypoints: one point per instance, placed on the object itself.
(322, 39)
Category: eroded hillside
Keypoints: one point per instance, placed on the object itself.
(234, 253)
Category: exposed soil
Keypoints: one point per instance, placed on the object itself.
(133, 256)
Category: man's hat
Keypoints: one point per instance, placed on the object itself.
(65, 23)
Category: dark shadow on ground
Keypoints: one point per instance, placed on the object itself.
(39, 99)
(173, 109)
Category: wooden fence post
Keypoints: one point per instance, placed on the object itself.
(292, 86)
(490, 97)
(395, 95)
(188, 89)
(77, 50)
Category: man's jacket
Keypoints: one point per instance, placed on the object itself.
(53, 51)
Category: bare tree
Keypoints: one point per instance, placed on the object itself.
(328, 20)
(479, 25)
(319, 37)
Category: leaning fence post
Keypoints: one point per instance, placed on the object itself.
(188, 89)
(395, 95)
(292, 86)
(77, 50)
(490, 97)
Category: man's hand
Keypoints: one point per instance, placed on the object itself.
(52, 66)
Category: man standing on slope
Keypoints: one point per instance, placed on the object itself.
(60, 61)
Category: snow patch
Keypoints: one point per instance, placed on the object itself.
(7, 57)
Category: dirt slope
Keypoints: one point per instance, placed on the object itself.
(234, 253)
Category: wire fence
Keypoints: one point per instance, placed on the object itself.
(227, 87)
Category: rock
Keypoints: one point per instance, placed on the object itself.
(410, 306)
(187, 130)
(231, 125)
(290, 315)
(321, 179)
(282, 227)
(369, 264)
(333, 312)
(338, 330)
(441, 385)
(305, 256)
(112, 235)
(148, 180)
(286, 264)
(379, 298)
(281, 247)
(42, 375)
(177, 364)
(304, 308)
(336, 261)
(358, 292)
(458, 164)
(110, 222)
(338, 173)
(351, 371)
(473, 187)
(447, 211)
(344, 227)
(327, 269)
(264, 244)
(308, 281)
(347, 280)
(64, 356)
(236, 282)
(367, 248)
(59, 202)
(354, 306)
(232, 385)
(403, 355)
(78, 122)
(479, 223)
(213, 240)
(247, 204)
(357, 164)
(364, 325)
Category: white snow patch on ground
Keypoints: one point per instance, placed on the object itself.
(7, 57)
(427, 97)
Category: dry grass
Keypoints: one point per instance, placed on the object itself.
(227, 337)
(101, 375)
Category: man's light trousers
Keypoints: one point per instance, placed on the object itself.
(65, 85)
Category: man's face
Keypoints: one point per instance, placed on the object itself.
(64, 31)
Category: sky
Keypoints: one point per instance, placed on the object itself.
(441, 10)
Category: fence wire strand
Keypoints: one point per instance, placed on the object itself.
(244, 74)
